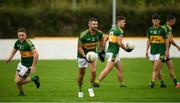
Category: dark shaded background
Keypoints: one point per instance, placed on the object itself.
(65, 18)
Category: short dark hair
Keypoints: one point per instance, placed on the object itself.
(170, 17)
(120, 18)
(156, 16)
(22, 29)
(92, 19)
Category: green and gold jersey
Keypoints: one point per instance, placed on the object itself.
(114, 33)
(89, 41)
(168, 29)
(157, 37)
(25, 49)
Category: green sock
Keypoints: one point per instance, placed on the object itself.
(153, 82)
(80, 89)
(175, 81)
(33, 77)
(162, 81)
(33, 74)
(97, 81)
(121, 82)
(91, 85)
(21, 92)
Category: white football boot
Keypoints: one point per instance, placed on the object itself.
(91, 92)
(80, 94)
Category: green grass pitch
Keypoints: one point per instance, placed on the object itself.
(59, 83)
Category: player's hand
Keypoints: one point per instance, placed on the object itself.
(129, 50)
(178, 48)
(167, 54)
(101, 55)
(33, 69)
(8, 60)
(147, 55)
(86, 59)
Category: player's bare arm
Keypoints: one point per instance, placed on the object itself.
(120, 43)
(171, 40)
(101, 44)
(35, 59)
(147, 48)
(13, 52)
(80, 49)
(167, 48)
(106, 38)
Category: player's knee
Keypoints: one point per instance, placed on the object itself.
(108, 69)
(93, 72)
(81, 75)
(80, 78)
(156, 69)
(17, 81)
(82, 72)
(120, 70)
(161, 66)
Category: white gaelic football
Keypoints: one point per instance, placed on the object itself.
(91, 56)
(130, 46)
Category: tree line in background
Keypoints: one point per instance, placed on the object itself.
(69, 17)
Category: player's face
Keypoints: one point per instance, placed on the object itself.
(121, 23)
(21, 36)
(93, 25)
(172, 22)
(155, 22)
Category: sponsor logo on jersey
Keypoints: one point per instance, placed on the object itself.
(157, 39)
(155, 32)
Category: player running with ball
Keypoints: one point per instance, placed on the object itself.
(115, 41)
(88, 41)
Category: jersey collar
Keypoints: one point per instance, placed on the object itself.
(22, 41)
(168, 26)
(91, 33)
(119, 28)
(156, 27)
